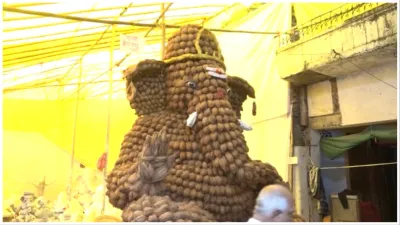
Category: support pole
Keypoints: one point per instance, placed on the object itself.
(76, 18)
(164, 10)
(74, 133)
(162, 32)
(303, 107)
(61, 86)
(110, 93)
(300, 185)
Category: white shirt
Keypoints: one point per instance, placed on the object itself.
(252, 220)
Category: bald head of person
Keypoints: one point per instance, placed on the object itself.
(274, 204)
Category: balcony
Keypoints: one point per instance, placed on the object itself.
(349, 39)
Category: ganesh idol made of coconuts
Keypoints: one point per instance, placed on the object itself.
(185, 158)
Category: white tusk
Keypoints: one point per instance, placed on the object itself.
(213, 69)
(222, 76)
(245, 126)
(191, 120)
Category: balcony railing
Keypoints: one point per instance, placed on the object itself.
(325, 22)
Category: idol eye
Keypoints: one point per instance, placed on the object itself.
(191, 84)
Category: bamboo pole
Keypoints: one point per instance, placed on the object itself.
(163, 11)
(31, 4)
(81, 11)
(105, 31)
(29, 61)
(74, 135)
(303, 107)
(101, 17)
(46, 14)
(84, 37)
(92, 80)
(61, 84)
(52, 53)
(110, 93)
(163, 29)
(29, 52)
(60, 89)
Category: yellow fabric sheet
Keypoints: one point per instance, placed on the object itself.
(55, 121)
(249, 56)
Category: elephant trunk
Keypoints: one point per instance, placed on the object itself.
(221, 140)
(219, 133)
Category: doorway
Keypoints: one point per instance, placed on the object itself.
(377, 184)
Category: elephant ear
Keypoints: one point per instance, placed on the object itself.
(239, 90)
(145, 86)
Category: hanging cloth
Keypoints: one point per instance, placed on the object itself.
(317, 189)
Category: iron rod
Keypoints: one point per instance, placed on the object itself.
(69, 22)
(63, 52)
(46, 14)
(39, 82)
(155, 39)
(123, 11)
(41, 59)
(117, 64)
(31, 4)
(39, 85)
(163, 29)
(41, 72)
(163, 11)
(52, 53)
(118, 7)
(8, 90)
(81, 39)
(120, 30)
(49, 35)
(103, 93)
(74, 138)
(110, 92)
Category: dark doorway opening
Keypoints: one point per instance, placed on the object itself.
(377, 184)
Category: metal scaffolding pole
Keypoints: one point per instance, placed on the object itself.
(163, 11)
(74, 135)
(163, 30)
(93, 45)
(93, 80)
(110, 93)
(12, 89)
(46, 14)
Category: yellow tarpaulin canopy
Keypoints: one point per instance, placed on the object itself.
(44, 56)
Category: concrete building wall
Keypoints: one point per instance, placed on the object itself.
(365, 41)
(319, 99)
(363, 97)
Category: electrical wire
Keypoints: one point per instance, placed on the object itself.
(357, 166)
(346, 59)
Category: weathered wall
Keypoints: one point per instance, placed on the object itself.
(319, 98)
(365, 41)
(364, 97)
